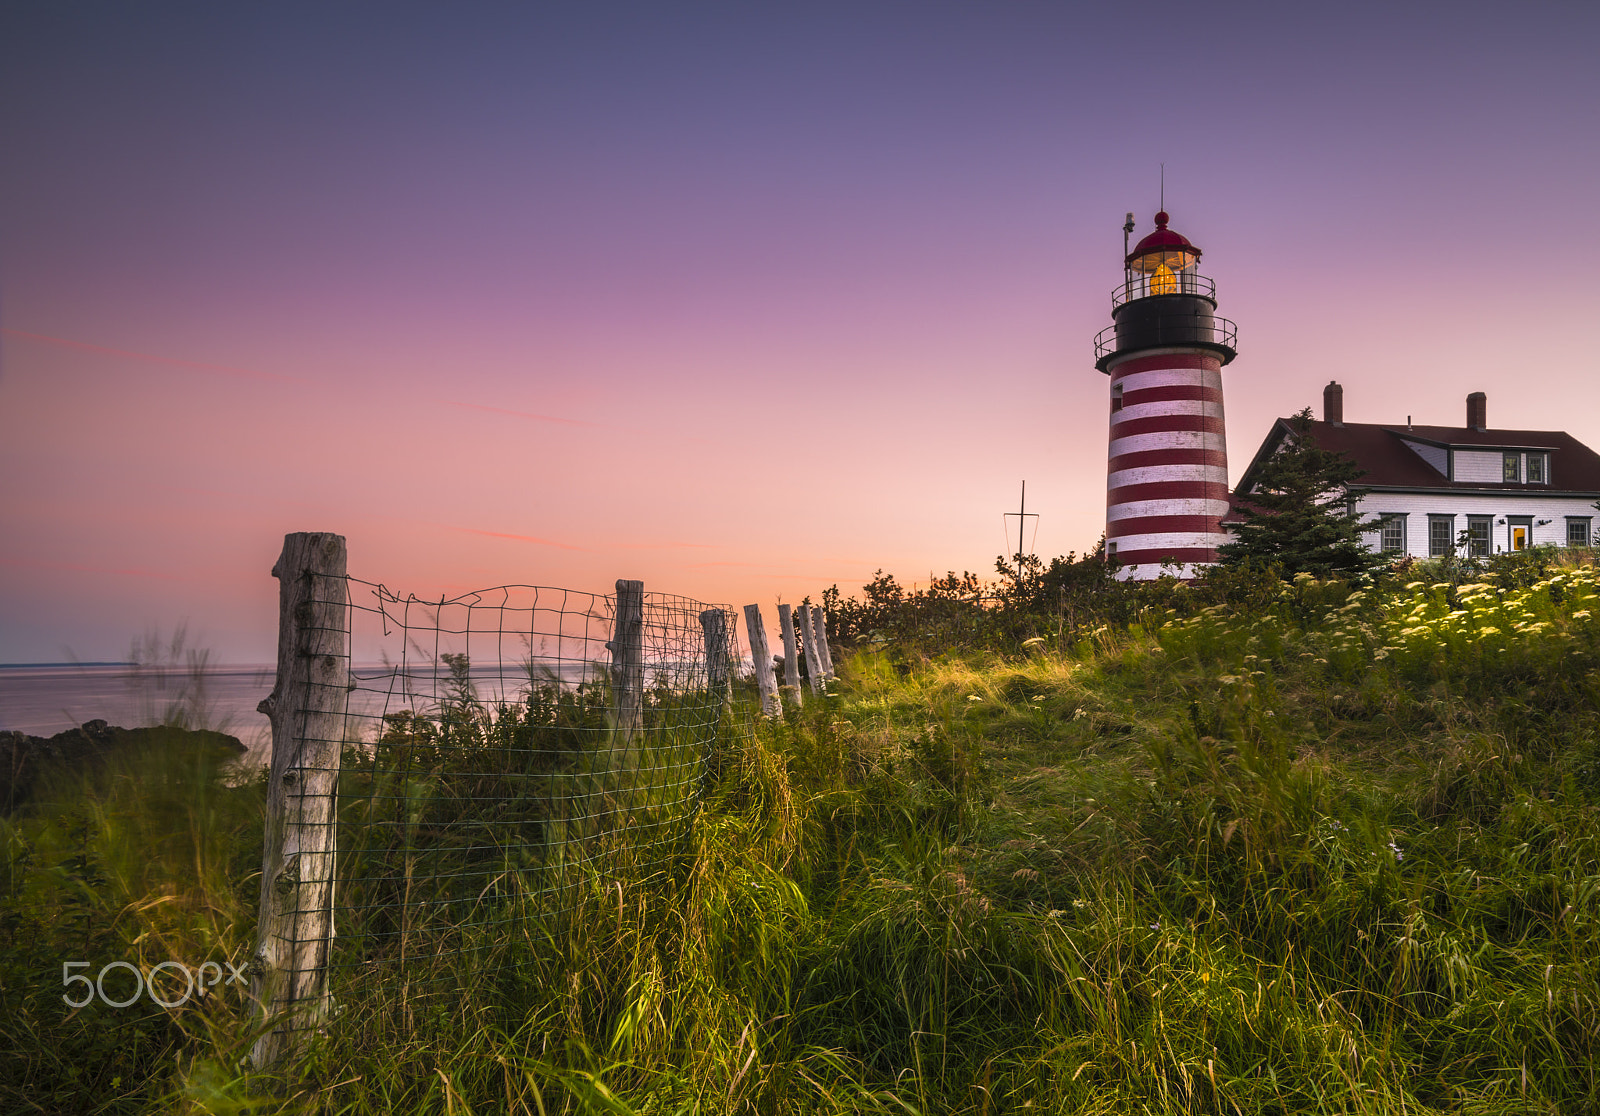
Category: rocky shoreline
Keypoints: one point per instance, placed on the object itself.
(23, 758)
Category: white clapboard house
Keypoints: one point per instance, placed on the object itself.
(1507, 489)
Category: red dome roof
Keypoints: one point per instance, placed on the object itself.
(1162, 238)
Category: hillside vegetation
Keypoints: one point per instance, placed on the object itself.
(1250, 846)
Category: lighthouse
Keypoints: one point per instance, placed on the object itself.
(1167, 457)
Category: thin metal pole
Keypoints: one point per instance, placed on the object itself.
(1023, 515)
(1022, 518)
(1127, 275)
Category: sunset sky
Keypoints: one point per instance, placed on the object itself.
(741, 299)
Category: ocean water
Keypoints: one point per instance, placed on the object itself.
(45, 700)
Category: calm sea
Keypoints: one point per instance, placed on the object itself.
(44, 700)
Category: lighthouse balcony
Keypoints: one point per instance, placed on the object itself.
(1179, 325)
(1182, 282)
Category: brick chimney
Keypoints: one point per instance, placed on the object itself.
(1333, 404)
(1478, 411)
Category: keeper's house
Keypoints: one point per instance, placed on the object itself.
(1507, 489)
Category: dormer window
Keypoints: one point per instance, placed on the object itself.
(1512, 467)
(1536, 469)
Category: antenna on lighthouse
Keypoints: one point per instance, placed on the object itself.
(1127, 231)
(1163, 187)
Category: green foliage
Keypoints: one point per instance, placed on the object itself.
(147, 857)
(1029, 600)
(1259, 845)
(1298, 515)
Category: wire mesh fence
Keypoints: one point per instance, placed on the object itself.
(496, 750)
(498, 742)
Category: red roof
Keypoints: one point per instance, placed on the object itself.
(1390, 463)
(1162, 238)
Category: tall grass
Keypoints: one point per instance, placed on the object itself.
(1330, 848)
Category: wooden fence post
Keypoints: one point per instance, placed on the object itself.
(294, 931)
(791, 657)
(719, 680)
(819, 628)
(761, 654)
(813, 660)
(627, 658)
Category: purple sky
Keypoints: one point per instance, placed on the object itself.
(742, 299)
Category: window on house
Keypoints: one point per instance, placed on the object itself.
(1578, 530)
(1536, 472)
(1478, 536)
(1441, 535)
(1512, 469)
(1394, 534)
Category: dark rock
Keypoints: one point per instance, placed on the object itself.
(23, 758)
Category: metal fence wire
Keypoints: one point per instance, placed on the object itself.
(500, 745)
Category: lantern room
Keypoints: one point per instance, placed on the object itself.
(1162, 263)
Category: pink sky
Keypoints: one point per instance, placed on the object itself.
(740, 300)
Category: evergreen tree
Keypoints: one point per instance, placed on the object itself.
(1299, 515)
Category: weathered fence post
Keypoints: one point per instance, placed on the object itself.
(819, 629)
(791, 657)
(761, 654)
(294, 932)
(627, 658)
(719, 680)
(813, 660)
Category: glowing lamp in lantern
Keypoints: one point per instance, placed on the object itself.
(1163, 262)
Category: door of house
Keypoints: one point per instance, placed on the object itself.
(1521, 531)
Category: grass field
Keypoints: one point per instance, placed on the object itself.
(1313, 849)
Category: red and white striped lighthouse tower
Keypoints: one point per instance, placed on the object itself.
(1167, 467)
